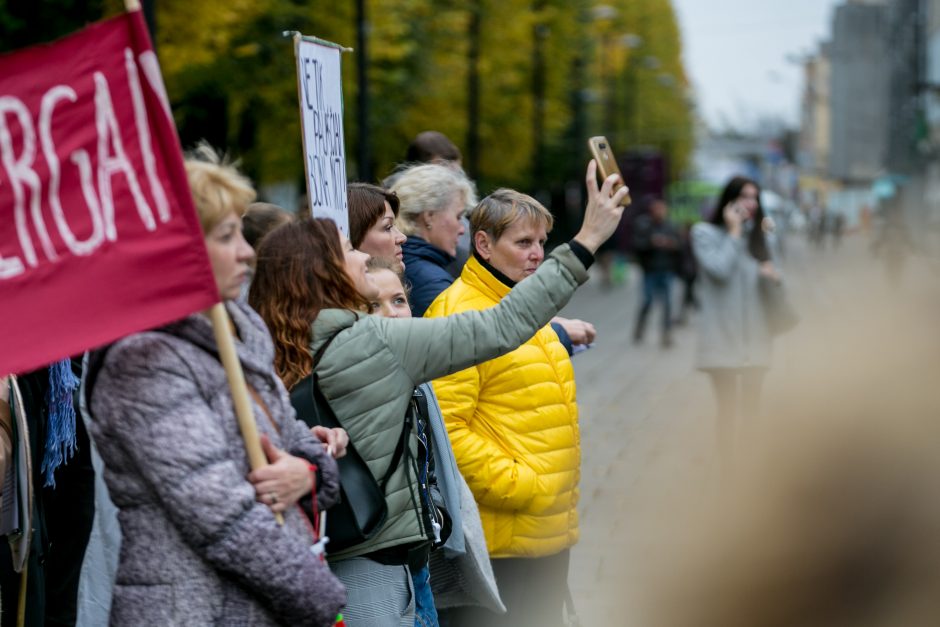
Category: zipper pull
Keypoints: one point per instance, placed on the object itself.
(436, 528)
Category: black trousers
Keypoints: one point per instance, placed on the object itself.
(533, 591)
(62, 525)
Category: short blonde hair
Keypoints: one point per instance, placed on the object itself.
(501, 209)
(429, 187)
(217, 186)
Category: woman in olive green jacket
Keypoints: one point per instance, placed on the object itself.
(372, 364)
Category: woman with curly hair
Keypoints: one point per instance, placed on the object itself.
(312, 289)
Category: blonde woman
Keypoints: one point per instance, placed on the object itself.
(200, 543)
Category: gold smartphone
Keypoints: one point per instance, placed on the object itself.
(607, 163)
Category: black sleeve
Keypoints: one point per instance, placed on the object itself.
(582, 253)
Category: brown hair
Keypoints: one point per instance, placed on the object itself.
(429, 146)
(262, 218)
(300, 272)
(366, 207)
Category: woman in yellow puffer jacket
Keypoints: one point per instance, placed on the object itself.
(513, 423)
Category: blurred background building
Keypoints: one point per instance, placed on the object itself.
(870, 118)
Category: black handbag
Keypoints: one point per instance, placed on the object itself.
(781, 316)
(361, 510)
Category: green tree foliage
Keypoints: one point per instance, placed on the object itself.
(551, 72)
(232, 77)
(643, 99)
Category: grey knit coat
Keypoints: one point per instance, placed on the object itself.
(370, 369)
(197, 548)
(732, 324)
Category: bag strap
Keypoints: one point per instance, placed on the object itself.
(421, 404)
(397, 455)
(317, 355)
(316, 399)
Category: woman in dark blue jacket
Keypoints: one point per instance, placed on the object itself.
(433, 199)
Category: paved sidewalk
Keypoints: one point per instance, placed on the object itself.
(647, 416)
(633, 400)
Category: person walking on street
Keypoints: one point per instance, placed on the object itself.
(688, 274)
(656, 243)
(734, 341)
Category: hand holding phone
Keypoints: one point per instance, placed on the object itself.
(607, 163)
(603, 211)
(734, 215)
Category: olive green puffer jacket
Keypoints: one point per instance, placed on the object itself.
(370, 369)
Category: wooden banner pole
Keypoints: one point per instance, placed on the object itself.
(221, 326)
(21, 600)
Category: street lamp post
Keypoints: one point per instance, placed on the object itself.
(540, 33)
(362, 118)
(473, 88)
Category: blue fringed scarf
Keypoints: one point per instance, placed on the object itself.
(60, 428)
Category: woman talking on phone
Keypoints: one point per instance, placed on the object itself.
(734, 342)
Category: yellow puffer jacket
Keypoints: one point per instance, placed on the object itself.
(513, 423)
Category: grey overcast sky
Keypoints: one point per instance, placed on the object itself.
(736, 53)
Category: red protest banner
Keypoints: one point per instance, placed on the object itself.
(98, 234)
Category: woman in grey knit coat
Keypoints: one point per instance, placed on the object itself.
(734, 343)
(200, 543)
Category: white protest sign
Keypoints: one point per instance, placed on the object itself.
(320, 90)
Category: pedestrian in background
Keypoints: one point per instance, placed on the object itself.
(656, 243)
(688, 274)
(734, 341)
(433, 147)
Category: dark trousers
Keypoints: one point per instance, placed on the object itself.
(533, 591)
(688, 296)
(656, 286)
(69, 515)
(63, 518)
